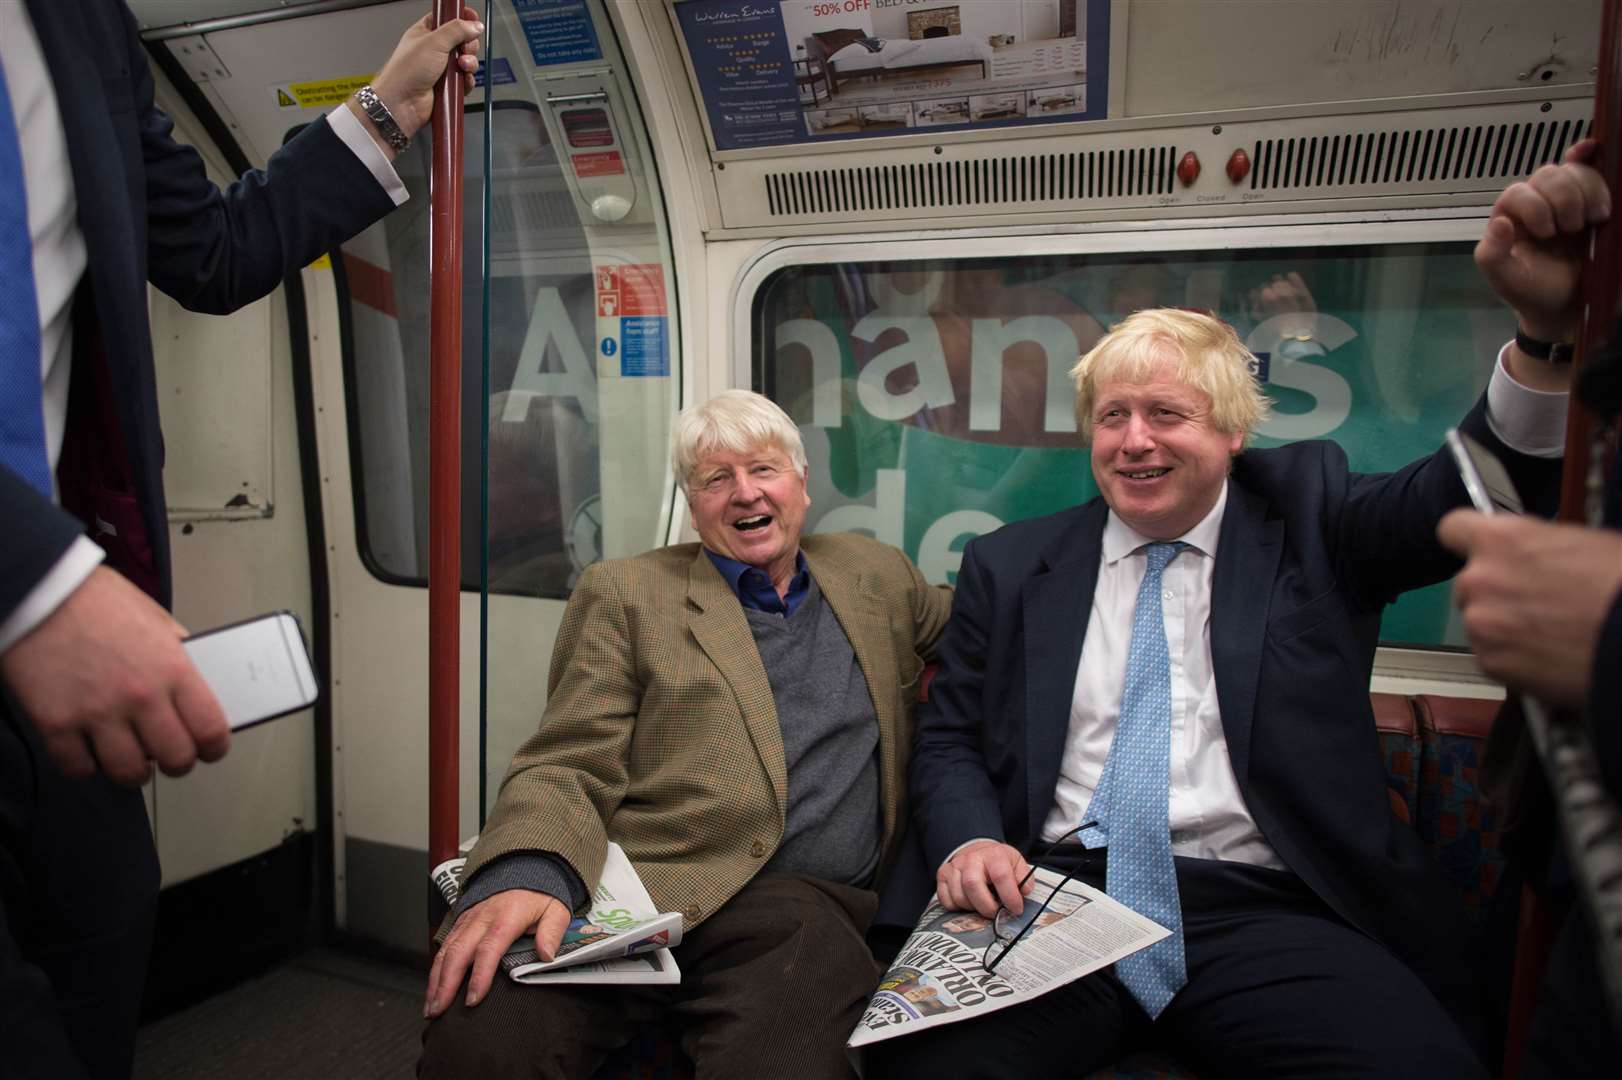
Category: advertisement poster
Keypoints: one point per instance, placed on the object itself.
(935, 400)
(776, 72)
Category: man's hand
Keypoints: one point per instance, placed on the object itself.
(1534, 596)
(984, 875)
(1532, 251)
(1280, 295)
(482, 934)
(105, 680)
(406, 83)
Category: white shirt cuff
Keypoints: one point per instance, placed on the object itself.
(49, 592)
(1530, 421)
(347, 127)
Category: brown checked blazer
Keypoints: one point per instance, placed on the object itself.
(660, 732)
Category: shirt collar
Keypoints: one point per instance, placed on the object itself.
(754, 589)
(1121, 539)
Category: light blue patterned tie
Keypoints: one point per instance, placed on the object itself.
(1130, 802)
(22, 402)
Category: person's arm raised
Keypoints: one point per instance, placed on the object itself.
(1531, 253)
(405, 86)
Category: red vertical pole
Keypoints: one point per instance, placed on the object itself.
(1603, 270)
(445, 459)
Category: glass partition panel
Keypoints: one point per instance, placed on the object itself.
(935, 401)
(580, 340)
(570, 370)
(543, 460)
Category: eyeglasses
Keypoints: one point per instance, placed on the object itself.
(1008, 929)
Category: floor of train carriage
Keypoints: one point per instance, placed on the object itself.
(323, 1014)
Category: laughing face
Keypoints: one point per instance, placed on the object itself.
(1158, 461)
(751, 507)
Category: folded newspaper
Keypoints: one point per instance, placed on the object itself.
(939, 976)
(622, 938)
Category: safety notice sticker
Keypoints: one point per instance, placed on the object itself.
(318, 93)
(633, 318)
(598, 163)
(643, 350)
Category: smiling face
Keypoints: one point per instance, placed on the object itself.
(1159, 461)
(751, 507)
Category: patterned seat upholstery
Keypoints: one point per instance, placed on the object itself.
(1458, 826)
(1432, 748)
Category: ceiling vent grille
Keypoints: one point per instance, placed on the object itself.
(1125, 173)
(1418, 155)
(521, 211)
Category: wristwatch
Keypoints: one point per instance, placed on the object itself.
(378, 113)
(1550, 352)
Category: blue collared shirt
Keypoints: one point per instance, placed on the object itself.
(754, 588)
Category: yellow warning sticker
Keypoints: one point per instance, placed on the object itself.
(322, 263)
(319, 93)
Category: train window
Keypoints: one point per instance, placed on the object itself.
(935, 402)
(558, 373)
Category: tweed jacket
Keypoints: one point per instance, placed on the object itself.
(660, 732)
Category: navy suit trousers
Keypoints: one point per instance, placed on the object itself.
(78, 893)
(1278, 985)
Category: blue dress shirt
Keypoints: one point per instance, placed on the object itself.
(754, 587)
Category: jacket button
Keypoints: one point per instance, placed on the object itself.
(692, 913)
(757, 849)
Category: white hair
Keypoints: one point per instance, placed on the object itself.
(738, 421)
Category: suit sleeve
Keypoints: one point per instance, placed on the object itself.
(953, 799)
(565, 783)
(38, 533)
(1385, 526)
(215, 250)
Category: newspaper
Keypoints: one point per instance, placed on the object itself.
(622, 938)
(939, 975)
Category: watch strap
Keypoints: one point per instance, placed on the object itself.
(1550, 352)
(378, 113)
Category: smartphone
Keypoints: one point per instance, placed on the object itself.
(1491, 490)
(259, 668)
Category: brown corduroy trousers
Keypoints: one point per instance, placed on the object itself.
(772, 985)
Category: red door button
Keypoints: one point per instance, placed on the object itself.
(1188, 170)
(1238, 166)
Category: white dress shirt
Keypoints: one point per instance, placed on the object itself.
(59, 263)
(1206, 812)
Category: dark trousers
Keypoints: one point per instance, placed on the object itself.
(1572, 1032)
(78, 892)
(1277, 986)
(771, 986)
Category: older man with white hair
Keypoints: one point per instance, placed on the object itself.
(736, 715)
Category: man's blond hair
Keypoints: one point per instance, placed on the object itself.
(1202, 351)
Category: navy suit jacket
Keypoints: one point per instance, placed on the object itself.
(149, 213)
(1309, 555)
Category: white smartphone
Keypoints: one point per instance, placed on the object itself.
(258, 668)
(1491, 490)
